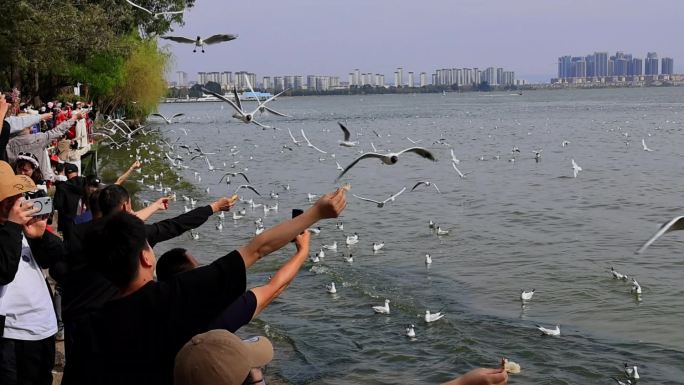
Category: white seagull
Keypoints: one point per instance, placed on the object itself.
(233, 174)
(382, 204)
(352, 239)
(575, 168)
(442, 232)
(643, 143)
(432, 317)
(382, 309)
(389, 158)
(549, 332)
(154, 14)
(242, 115)
(457, 170)
(168, 120)
(428, 259)
(331, 288)
(347, 137)
(526, 295)
(331, 247)
(308, 143)
(453, 157)
(349, 259)
(632, 372)
(617, 275)
(676, 223)
(427, 183)
(410, 331)
(636, 288)
(295, 141)
(378, 246)
(199, 42)
(247, 186)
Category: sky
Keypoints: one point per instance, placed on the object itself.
(333, 37)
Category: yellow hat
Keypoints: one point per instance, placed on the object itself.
(11, 184)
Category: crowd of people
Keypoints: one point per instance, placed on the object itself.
(126, 317)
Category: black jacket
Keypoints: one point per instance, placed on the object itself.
(47, 250)
(67, 195)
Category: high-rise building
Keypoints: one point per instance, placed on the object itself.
(266, 84)
(226, 79)
(667, 66)
(651, 64)
(289, 82)
(400, 73)
(182, 78)
(396, 79)
(298, 83)
(591, 65)
(580, 68)
(490, 76)
(278, 83)
(380, 80)
(499, 76)
(411, 80)
(600, 64)
(202, 78)
(350, 79)
(564, 67)
(620, 64)
(357, 78)
(423, 79)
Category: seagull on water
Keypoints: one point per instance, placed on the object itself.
(340, 226)
(432, 317)
(194, 235)
(410, 331)
(643, 143)
(321, 254)
(385, 309)
(617, 275)
(314, 230)
(575, 168)
(676, 223)
(154, 14)
(331, 288)
(636, 288)
(378, 246)
(426, 183)
(526, 295)
(549, 332)
(565, 143)
(168, 120)
(308, 143)
(428, 259)
(382, 204)
(632, 372)
(352, 239)
(389, 158)
(442, 232)
(315, 259)
(620, 382)
(199, 42)
(332, 247)
(349, 259)
(347, 137)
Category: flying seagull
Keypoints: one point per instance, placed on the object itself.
(643, 143)
(240, 114)
(382, 204)
(308, 143)
(575, 168)
(427, 183)
(168, 120)
(295, 141)
(233, 174)
(247, 186)
(154, 14)
(347, 137)
(671, 225)
(389, 158)
(199, 42)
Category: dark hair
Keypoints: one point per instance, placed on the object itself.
(36, 177)
(116, 244)
(111, 199)
(59, 167)
(174, 261)
(94, 204)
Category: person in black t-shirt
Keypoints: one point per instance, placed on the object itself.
(252, 302)
(139, 333)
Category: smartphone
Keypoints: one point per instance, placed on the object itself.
(296, 213)
(43, 204)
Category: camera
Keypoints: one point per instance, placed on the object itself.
(41, 201)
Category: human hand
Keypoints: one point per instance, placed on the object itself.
(302, 242)
(224, 204)
(162, 203)
(332, 204)
(46, 116)
(136, 165)
(21, 213)
(35, 228)
(483, 376)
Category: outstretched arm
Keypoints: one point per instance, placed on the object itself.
(329, 206)
(124, 176)
(481, 376)
(284, 276)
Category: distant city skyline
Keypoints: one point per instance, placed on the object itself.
(334, 37)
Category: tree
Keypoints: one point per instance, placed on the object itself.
(213, 87)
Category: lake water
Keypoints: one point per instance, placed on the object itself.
(513, 225)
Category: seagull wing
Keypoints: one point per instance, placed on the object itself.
(308, 142)
(357, 160)
(224, 177)
(139, 7)
(418, 184)
(237, 100)
(347, 134)
(376, 133)
(220, 38)
(367, 199)
(177, 115)
(160, 115)
(671, 225)
(225, 99)
(249, 85)
(436, 188)
(295, 141)
(179, 39)
(457, 170)
(373, 146)
(243, 175)
(274, 112)
(395, 195)
(420, 151)
(249, 187)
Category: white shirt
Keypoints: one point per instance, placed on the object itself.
(26, 302)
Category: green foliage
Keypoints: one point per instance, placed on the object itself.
(102, 73)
